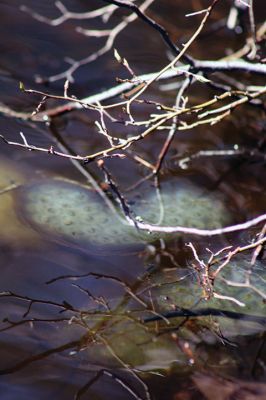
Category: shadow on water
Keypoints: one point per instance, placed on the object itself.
(81, 321)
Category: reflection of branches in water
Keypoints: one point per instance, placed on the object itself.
(111, 375)
(124, 365)
(76, 344)
(37, 357)
(100, 300)
(82, 318)
(104, 13)
(30, 321)
(96, 275)
(111, 35)
(69, 346)
(99, 333)
(129, 290)
(91, 336)
(64, 306)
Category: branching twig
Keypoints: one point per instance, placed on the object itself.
(164, 34)
(99, 12)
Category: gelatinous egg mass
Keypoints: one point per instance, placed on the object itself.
(72, 213)
(183, 204)
(232, 293)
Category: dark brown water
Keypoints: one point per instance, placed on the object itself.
(29, 50)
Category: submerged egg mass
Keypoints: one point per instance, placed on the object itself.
(70, 212)
(184, 204)
(183, 290)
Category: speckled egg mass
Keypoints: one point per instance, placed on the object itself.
(184, 204)
(230, 284)
(73, 213)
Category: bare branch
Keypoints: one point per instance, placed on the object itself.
(164, 34)
(66, 15)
